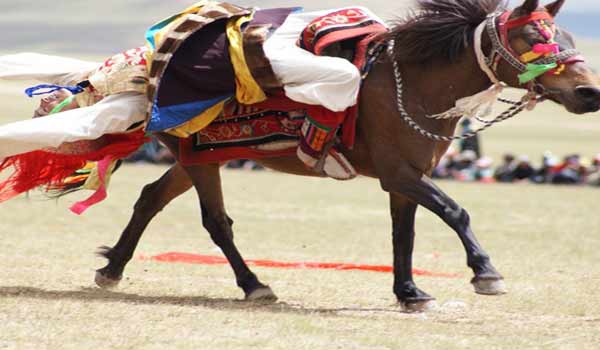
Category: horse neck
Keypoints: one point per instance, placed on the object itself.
(428, 89)
(435, 87)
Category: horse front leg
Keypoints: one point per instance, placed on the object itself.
(403, 213)
(420, 189)
(153, 199)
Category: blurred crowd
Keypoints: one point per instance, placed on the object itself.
(468, 164)
(571, 170)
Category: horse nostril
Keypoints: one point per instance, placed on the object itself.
(588, 93)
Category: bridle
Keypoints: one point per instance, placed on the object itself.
(543, 59)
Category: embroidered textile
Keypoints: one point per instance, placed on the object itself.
(123, 72)
(244, 132)
(336, 27)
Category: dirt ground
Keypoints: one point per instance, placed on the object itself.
(543, 239)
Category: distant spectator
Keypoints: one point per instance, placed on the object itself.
(444, 168)
(549, 162)
(570, 172)
(523, 169)
(504, 173)
(152, 152)
(464, 168)
(471, 143)
(593, 177)
(483, 170)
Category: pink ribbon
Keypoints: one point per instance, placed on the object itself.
(545, 32)
(100, 194)
(575, 59)
(546, 48)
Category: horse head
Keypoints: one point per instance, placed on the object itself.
(529, 50)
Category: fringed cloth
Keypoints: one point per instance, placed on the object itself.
(49, 168)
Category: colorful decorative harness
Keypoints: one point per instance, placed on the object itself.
(543, 59)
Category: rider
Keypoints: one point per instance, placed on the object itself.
(329, 82)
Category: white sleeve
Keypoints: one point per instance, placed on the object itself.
(45, 68)
(114, 114)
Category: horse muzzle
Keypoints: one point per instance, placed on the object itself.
(589, 98)
(581, 100)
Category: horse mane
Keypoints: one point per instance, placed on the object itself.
(439, 29)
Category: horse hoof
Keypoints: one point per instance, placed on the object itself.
(489, 287)
(419, 306)
(262, 294)
(106, 282)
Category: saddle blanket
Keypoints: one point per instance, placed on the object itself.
(244, 132)
(266, 130)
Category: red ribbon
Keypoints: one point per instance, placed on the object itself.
(100, 194)
(187, 258)
(521, 21)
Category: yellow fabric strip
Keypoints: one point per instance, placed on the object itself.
(247, 89)
(93, 181)
(560, 69)
(530, 56)
(199, 122)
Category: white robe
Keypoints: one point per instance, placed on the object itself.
(114, 114)
(331, 82)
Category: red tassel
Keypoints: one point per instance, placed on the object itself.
(44, 168)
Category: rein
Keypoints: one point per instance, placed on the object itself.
(516, 108)
(543, 59)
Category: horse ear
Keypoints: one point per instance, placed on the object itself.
(530, 5)
(554, 7)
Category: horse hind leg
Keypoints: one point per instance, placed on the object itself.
(207, 181)
(153, 199)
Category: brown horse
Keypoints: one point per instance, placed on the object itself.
(435, 56)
